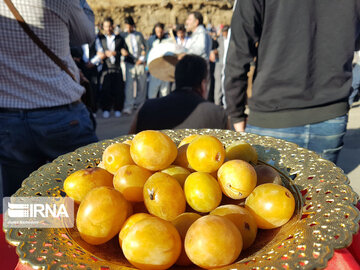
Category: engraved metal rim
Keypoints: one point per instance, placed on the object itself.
(328, 220)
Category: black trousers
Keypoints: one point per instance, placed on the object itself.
(93, 77)
(112, 95)
(211, 84)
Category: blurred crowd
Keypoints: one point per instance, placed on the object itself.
(115, 67)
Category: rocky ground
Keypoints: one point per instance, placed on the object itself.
(147, 13)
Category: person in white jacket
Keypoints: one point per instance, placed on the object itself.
(199, 42)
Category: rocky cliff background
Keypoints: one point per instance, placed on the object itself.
(147, 13)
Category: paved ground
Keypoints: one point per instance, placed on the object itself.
(349, 159)
(112, 127)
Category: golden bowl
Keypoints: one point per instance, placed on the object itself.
(325, 217)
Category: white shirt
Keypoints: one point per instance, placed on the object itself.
(134, 45)
(86, 53)
(199, 43)
(180, 42)
(110, 43)
(356, 59)
(226, 46)
(96, 60)
(28, 77)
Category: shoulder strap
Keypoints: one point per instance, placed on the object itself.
(36, 39)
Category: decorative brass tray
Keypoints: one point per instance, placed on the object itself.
(325, 217)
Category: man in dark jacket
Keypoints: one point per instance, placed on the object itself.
(185, 107)
(110, 47)
(303, 70)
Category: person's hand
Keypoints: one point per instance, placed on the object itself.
(124, 52)
(181, 56)
(139, 62)
(101, 55)
(83, 79)
(171, 34)
(110, 53)
(89, 65)
(212, 57)
(77, 59)
(240, 126)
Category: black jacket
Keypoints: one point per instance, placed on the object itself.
(180, 109)
(304, 56)
(119, 44)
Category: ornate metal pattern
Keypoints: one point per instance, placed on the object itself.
(325, 218)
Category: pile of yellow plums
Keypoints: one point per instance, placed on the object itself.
(178, 205)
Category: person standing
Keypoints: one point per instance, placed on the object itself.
(83, 56)
(181, 37)
(158, 87)
(110, 47)
(213, 58)
(303, 70)
(135, 67)
(199, 42)
(354, 96)
(41, 115)
(91, 71)
(219, 66)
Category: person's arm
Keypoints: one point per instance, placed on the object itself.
(100, 55)
(110, 53)
(124, 48)
(81, 23)
(215, 50)
(149, 43)
(142, 55)
(239, 126)
(134, 124)
(245, 32)
(213, 56)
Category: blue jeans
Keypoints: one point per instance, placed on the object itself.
(157, 87)
(29, 139)
(324, 138)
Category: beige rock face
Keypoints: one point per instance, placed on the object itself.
(147, 13)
